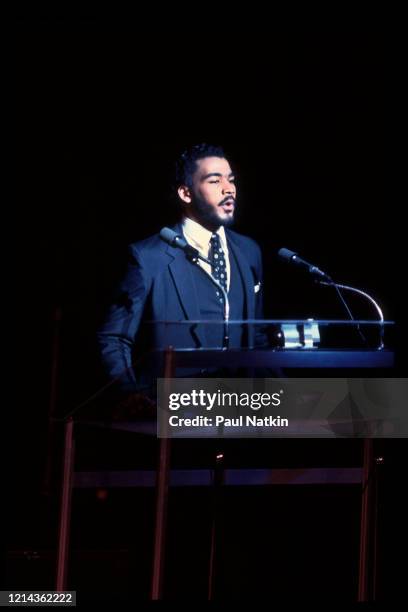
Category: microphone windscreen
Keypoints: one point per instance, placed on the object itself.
(167, 235)
(286, 254)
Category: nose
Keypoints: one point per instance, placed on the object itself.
(228, 188)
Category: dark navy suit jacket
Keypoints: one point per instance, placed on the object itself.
(158, 286)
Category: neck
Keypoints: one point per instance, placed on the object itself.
(211, 227)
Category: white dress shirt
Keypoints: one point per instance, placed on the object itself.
(199, 237)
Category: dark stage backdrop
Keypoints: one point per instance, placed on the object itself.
(101, 115)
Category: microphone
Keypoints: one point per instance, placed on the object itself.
(179, 242)
(292, 257)
(325, 279)
(173, 239)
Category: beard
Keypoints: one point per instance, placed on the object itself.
(208, 215)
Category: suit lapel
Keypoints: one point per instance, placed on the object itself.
(248, 283)
(247, 277)
(181, 272)
(182, 275)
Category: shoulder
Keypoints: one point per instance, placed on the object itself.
(153, 245)
(148, 256)
(152, 254)
(245, 243)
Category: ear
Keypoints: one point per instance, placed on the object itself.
(184, 194)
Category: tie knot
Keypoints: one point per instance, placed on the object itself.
(215, 239)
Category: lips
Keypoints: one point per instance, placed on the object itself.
(228, 205)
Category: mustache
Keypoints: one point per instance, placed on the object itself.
(228, 199)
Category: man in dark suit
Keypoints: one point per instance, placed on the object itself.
(163, 284)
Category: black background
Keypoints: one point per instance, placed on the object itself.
(102, 111)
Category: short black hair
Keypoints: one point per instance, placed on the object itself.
(186, 164)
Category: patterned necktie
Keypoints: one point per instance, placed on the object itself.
(217, 258)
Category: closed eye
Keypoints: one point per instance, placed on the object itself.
(231, 180)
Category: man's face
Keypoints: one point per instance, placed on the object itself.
(213, 194)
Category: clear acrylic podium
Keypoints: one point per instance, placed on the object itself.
(280, 346)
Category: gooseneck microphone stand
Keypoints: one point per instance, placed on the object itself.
(337, 286)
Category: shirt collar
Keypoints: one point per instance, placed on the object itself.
(199, 237)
